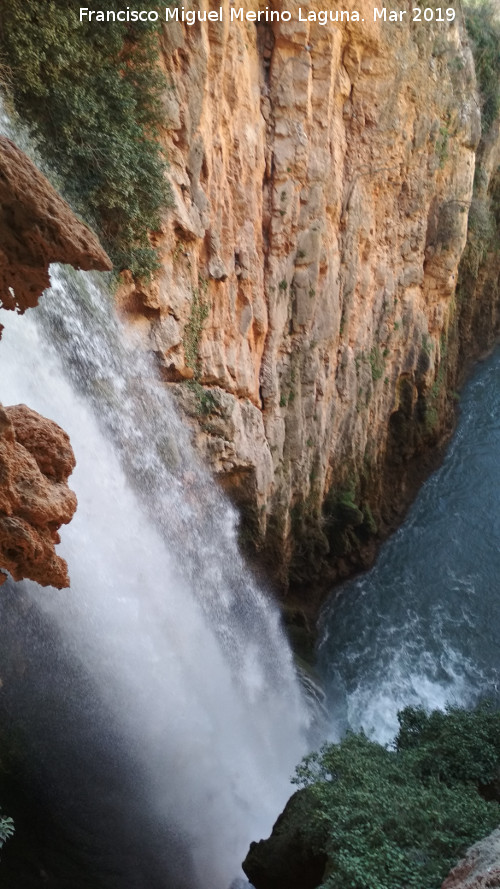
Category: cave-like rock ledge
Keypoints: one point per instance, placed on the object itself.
(36, 228)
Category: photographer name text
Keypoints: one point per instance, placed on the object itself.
(239, 14)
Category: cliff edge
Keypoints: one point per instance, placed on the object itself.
(36, 228)
(305, 315)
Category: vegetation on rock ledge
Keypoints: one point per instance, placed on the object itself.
(91, 96)
(388, 819)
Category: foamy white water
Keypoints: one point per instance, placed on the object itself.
(186, 652)
(421, 628)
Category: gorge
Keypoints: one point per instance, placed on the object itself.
(155, 641)
(328, 268)
(311, 315)
(202, 666)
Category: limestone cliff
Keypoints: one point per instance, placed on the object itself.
(480, 869)
(35, 461)
(322, 177)
(36, 228)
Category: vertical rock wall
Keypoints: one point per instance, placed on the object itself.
(322, 177)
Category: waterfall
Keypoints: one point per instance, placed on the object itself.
(184, 652)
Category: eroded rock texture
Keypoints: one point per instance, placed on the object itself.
(36, 459)
(322, 178)
(36, 228)
(480, 869)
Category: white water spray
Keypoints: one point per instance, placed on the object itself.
(187, 653)
(421, 627)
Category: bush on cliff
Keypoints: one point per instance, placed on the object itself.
(91, 95)
(398, 819)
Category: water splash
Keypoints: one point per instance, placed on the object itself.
(186, 653)
(421, 628)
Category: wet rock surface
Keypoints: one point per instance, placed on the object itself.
(36, 459)
(37, 227)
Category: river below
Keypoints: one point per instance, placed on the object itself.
(422, 626)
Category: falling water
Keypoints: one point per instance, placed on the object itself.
(182, 650)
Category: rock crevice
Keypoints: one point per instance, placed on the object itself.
(322, 179)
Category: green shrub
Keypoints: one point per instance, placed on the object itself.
(192, 333)
(206, 402)
(90, 93)
(457, 745)
(400, 819)
(6, 828)
(376, 363)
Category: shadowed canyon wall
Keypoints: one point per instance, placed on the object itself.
(306, 315)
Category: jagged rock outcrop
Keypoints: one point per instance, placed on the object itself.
(37, 227)
(480, 869)
(322, 176)
(288, 859)
(36, 459)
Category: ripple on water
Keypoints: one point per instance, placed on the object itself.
(421, 628)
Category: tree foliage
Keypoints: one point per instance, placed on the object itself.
(400, 819)
(91, 95)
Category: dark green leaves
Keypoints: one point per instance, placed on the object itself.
(399, 819)
(91, 95)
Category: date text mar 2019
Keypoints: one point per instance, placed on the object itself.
(440, 14)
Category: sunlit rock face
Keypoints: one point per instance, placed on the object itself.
(36, 228)
(36, 459)
(321, 178)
